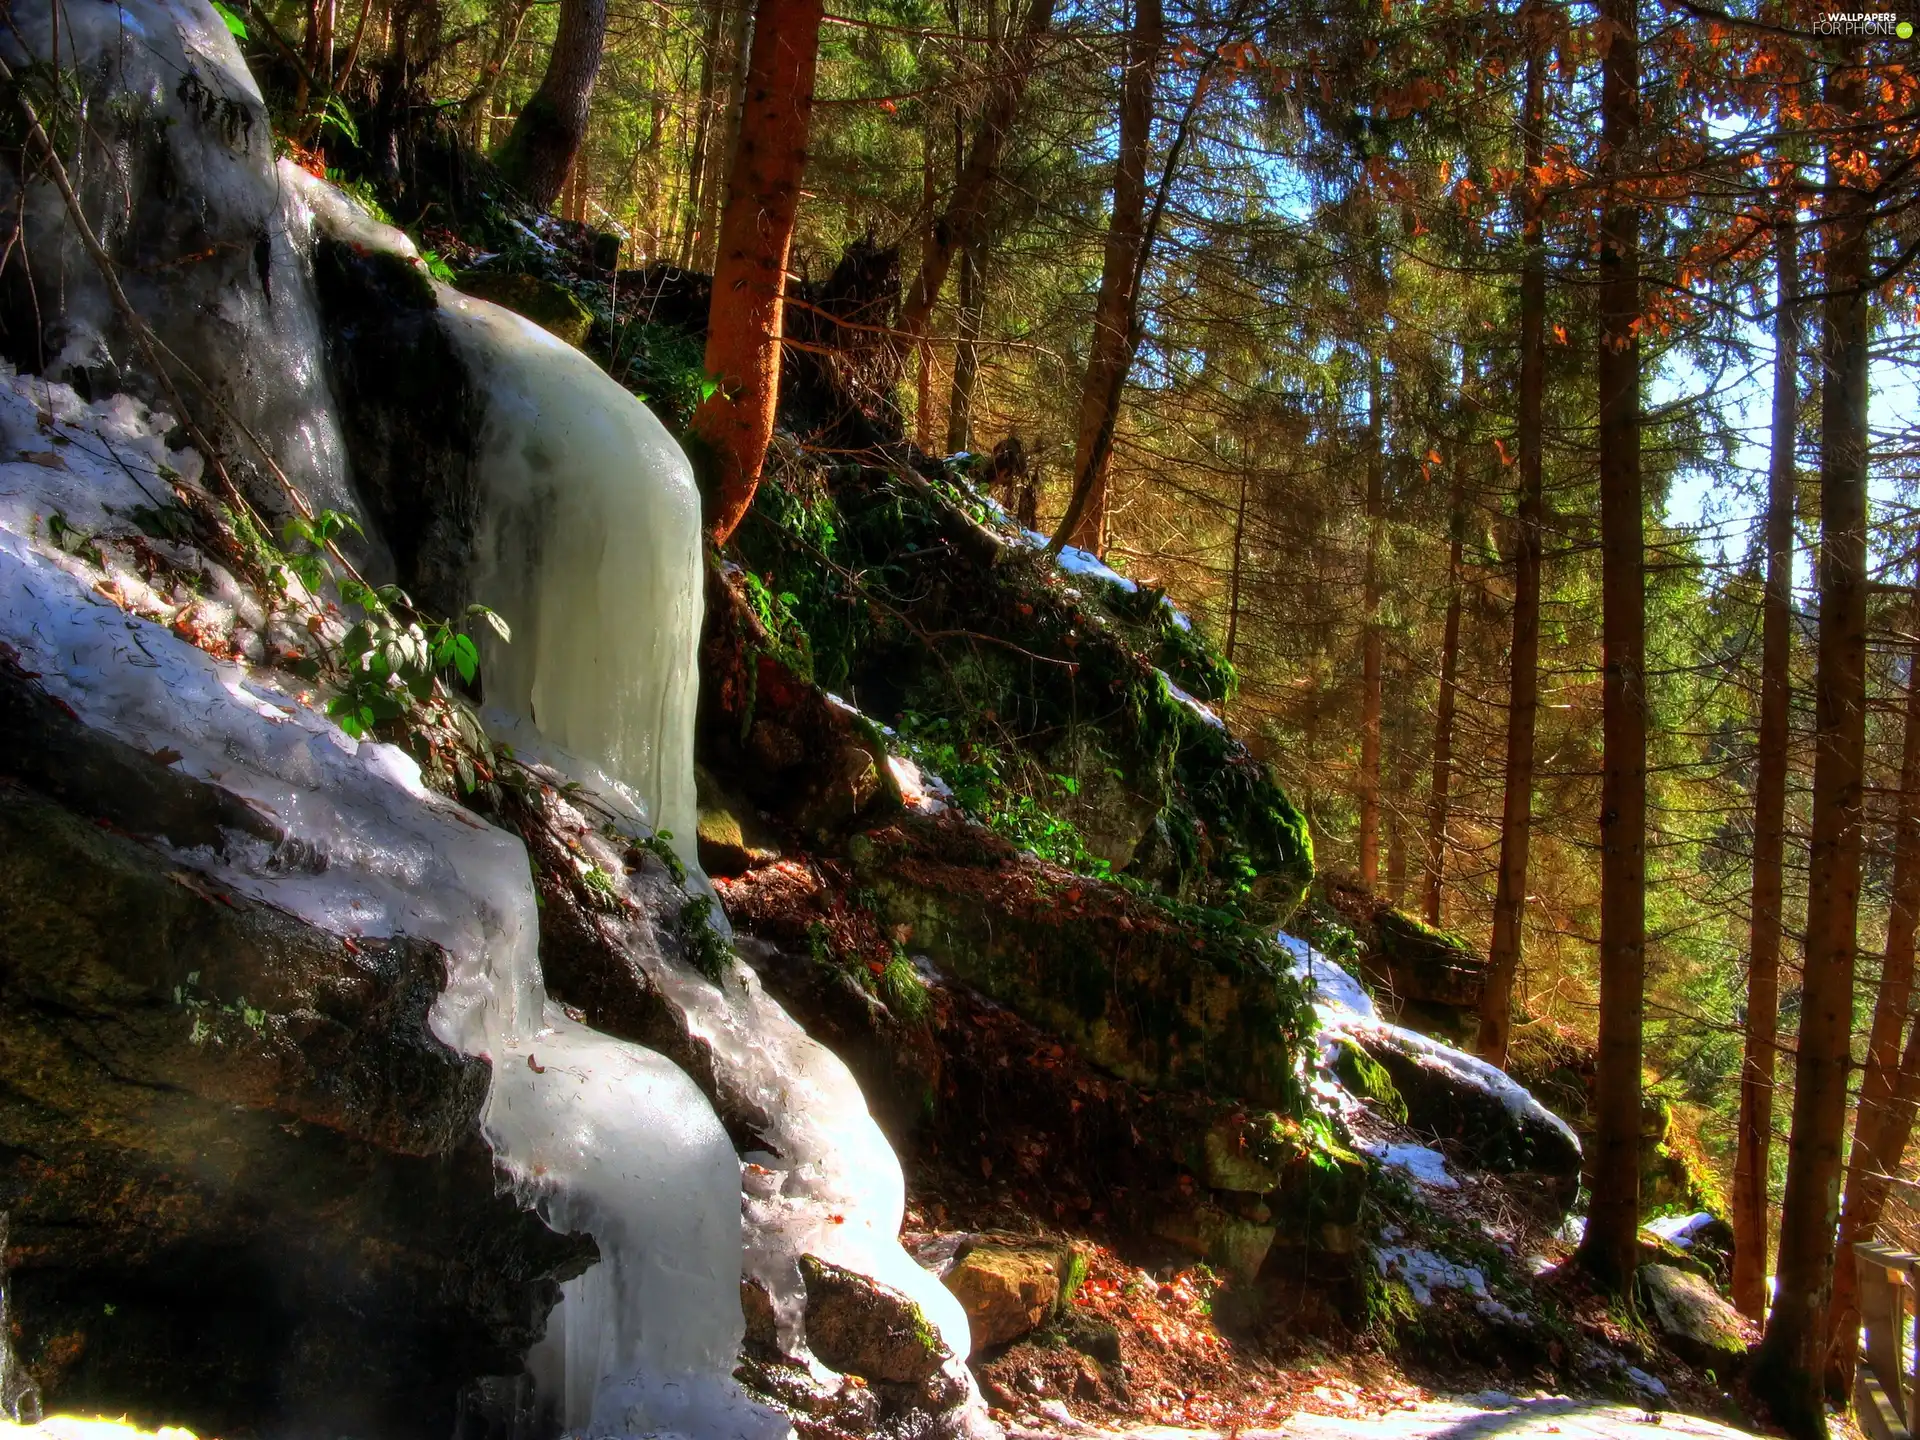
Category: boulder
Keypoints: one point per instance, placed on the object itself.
(1426, 979)
(1235, 1243)
(1149, 996)
(1461, 1098)
(1688, 1313)
(553, 307)
(860, 1327)
(1008, 1290)
(246, 1184)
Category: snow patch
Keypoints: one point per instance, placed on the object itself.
(1204, 711)
(1424, 1272)
(1427, 1166)
(1681, 1230)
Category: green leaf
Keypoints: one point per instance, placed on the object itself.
(235, 25)
(466, 657)
(492, 618)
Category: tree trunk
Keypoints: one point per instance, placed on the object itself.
(702, 128)
(1752, 1166)
(756, 233)
(1394, 803)
(966, 212)
(1876, 1124)
(1789, 1368)
(966, 352)
(1110, 350)
(1439, 794)
(1609, 1251)
(923, 396)
(1239, 551)
(539, 151)
(1370, 638)
(474, 110)
(1523, 685)
(720, 156)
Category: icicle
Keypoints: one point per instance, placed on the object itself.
(590, 547)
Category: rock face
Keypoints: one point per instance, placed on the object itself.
(863, 1328)
(1689, 1314)
(1446, 1095)
(230, 1137)
(1155, 1001)
(1425, 979)
(1008, 1289)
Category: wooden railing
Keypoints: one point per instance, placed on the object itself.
(1886, 1388)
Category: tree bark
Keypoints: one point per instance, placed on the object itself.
(966, 213)
(702, 128)
(1439, 795)
(1239, 551)
(1110, 350)
(744, 328)
(720, 156)
(474, 109)
(1753, 1165)
(1790, 1365)
(966, 352)
(1523, 684)
(1609, 1252)
(1370, 637)
(539, 150)
(1878, 1136)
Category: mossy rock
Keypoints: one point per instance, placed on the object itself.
(553, 307)
(1145, 992)
(861, 1327)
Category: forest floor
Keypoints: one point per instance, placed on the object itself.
(1489, 1416)
(1199, 1357)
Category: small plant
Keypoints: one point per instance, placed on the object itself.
(705, 949)
(601, 884)
(901, 987)
(658, 846)
(392, 664)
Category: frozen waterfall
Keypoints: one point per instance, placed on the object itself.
(590, 546)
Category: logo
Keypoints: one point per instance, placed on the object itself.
(1866, 24)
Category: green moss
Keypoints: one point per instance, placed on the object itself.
(1364, 1075)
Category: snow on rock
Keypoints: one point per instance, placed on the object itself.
(1205, 712)
(1426, 1166)
(1681, 1230)
(1424, 1272)
(922, 790)
(1338, 997)
(1345, 1009)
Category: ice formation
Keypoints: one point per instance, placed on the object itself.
(590, 547)
(604, 1136)
(242, 314)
